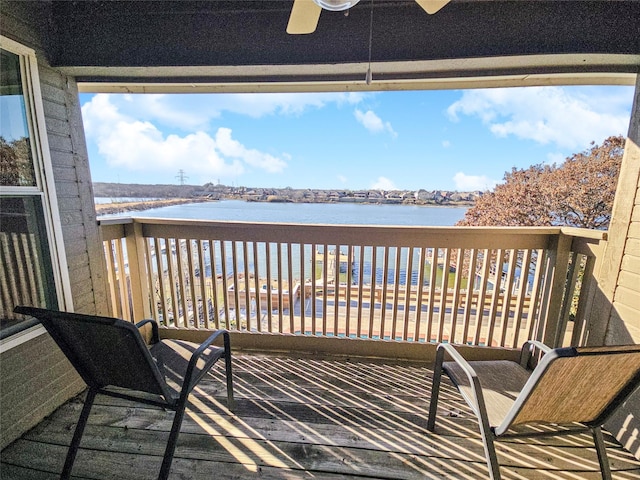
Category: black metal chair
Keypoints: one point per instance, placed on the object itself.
(569, 386)
(128, 361)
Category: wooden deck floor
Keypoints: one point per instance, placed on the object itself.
(301, 418)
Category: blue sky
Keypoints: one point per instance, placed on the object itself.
(446, 139)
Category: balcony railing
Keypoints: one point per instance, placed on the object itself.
(493, 286)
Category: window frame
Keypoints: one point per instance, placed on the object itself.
(44, 188)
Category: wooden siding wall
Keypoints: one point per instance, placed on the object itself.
(620, 278)
(35, 376)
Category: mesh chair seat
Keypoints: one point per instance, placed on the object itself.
(501, 381)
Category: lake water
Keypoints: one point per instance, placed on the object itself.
(333, 213)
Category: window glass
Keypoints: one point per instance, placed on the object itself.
(26, 269)
(16, 160)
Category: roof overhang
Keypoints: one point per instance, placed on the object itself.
(242, 45)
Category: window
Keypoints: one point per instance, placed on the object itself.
(30, 269)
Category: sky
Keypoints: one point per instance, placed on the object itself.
(434, 140)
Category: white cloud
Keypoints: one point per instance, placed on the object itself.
(569, 117)
(467, 183)
(139, 146)
(342, 179)
(446, 143)
(189, 112)
(373, 122)
(234, 149)
(383, 183)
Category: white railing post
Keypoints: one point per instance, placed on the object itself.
(553, 293)
(138, 275)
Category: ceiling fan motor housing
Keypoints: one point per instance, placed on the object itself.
(335, 5)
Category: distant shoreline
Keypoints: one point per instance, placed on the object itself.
(211, 192)
(122, 207)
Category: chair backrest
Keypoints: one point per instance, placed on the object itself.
(105, 351)
(583, 385)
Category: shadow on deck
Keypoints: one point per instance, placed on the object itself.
(301, 418)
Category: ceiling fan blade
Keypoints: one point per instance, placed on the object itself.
(432, 6)
(304, 17)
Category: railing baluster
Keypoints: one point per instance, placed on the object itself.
(348, 290)
(374, 292)
(336, 291)
(422, 259)
(172, 245)
(468, 306)
(292, 300)
(408, 294)
(396, 294)
(214, 283)
(570, 288)
(506, 301)
(433, 270)
(536, 314)
(268, 289)
(247, 285)
(157, 245)
(279, 289)
(444, 287)
(455, 304)
(385, 289)
(256, 286)
(314, 260)
(495, 297)
(486, 269)
(361, 292)
(125, 312)
(203, 284)
(585, 302)
(181, 285)
(225, 287)
(109, 249)
(521, 297)
(236, 284)
(150, 277)
(303, 296)
(325, 278)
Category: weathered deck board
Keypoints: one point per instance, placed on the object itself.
(297, 418)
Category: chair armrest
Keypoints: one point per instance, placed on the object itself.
(155, 337)
(527, 351)
(456, 357)
(476, 403)
(189, 378)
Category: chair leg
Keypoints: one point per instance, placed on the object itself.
(173, 440)
(435, 390)
(77, 434)
(490, 454)
(231, 404)
(602, 453)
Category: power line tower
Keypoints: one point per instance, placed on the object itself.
(181, 176)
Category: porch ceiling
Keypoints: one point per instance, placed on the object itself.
(515, 42)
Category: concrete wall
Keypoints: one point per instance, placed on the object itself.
(35, 377)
